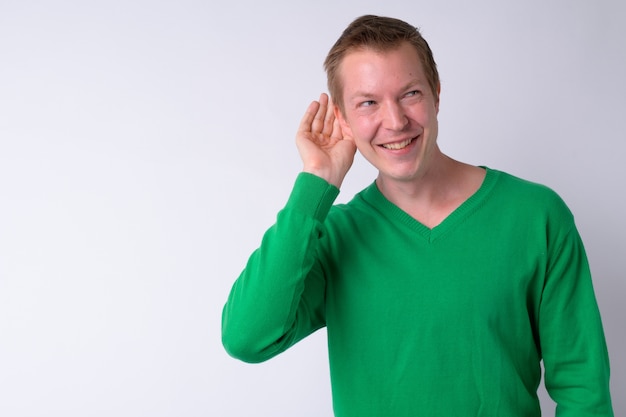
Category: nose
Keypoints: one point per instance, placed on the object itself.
(394, 116)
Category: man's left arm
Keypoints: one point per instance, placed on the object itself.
(572, 338)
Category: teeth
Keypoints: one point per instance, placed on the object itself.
(398, 145)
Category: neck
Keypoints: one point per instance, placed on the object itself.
(426, 186)
(439, 190)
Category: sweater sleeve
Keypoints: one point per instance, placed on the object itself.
(572, 339)
(279, 297)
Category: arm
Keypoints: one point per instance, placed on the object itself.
(572, 339)
(279, 297)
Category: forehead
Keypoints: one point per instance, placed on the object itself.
(366, 68)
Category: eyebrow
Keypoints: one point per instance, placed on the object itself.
(408, 86)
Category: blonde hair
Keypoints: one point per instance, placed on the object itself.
(379, 34)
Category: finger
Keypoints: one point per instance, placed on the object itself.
(309, 115)
(320, 116)
(329, 119)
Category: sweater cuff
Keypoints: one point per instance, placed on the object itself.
(312, 196)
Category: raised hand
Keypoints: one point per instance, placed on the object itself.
(324, 149)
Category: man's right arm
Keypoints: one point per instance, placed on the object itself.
(279, 297)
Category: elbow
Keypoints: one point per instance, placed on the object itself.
(242, 343)
(240, 348)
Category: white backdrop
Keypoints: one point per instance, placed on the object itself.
(145, 146)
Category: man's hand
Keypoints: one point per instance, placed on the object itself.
(324, 150)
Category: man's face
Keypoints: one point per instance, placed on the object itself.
(389, 110)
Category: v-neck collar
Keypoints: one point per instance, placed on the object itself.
(373, 195)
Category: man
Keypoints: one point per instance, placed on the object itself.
(442, 285)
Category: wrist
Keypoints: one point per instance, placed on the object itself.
(326, 175)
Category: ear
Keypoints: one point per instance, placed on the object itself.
(345, 127)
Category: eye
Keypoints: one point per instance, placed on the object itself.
(367, 103)
(413, 93)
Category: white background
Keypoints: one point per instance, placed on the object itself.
(145, 146)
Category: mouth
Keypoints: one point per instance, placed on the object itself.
(398, 145)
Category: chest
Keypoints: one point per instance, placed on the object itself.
(459, 279)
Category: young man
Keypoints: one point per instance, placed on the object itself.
(442, 285)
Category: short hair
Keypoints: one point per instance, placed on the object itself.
(379, 34)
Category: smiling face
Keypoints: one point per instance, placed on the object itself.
(390, 111)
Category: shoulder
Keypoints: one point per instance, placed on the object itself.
(534, 208)
(527, 195)
(531, 211)
(360, 215)
(354, 210)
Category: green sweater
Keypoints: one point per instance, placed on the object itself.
(450, 321)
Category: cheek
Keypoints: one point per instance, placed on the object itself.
(364, 148)
(363, 141)
(432, 113)
(363, 129)
(426, 120)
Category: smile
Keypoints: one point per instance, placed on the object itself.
(398, 145)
